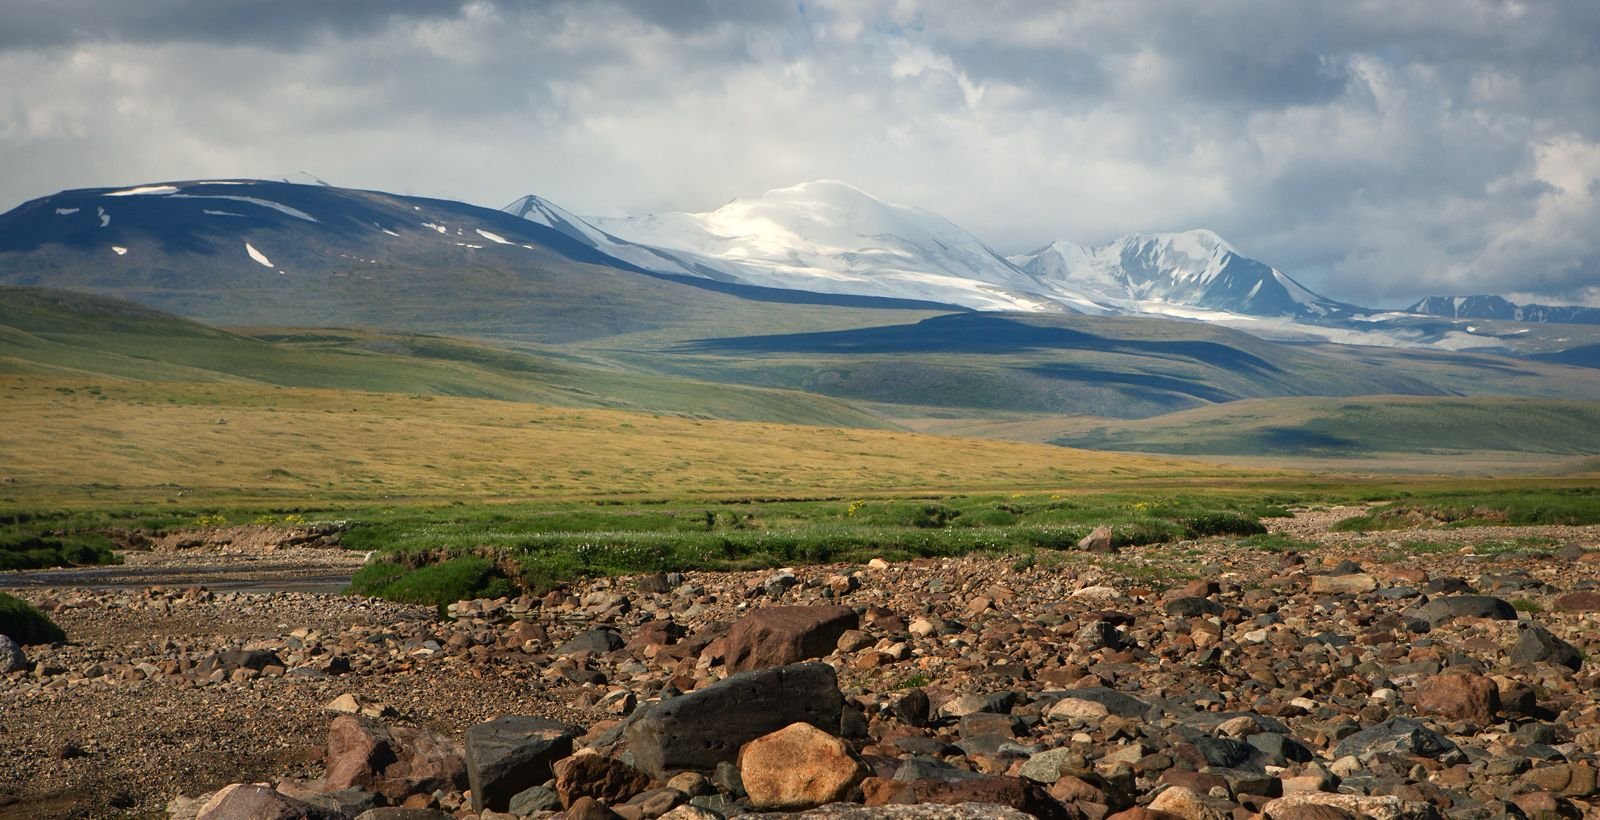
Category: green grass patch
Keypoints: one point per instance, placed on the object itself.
(1276, 542)
(25, 624)
(34, 551)
(454, 580)
(1569, 506)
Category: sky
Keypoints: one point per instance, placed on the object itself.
(1376, 150)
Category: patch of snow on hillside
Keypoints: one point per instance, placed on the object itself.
(66, 211)
(105, 218)
(439, 228)
(389, 232)
(494, 237)
(257, 255)
(146, 190)
(120, 251)
(210, 212)
(265, 203)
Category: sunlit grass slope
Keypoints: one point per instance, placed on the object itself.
(87, 441)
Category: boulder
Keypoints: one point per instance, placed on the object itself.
(922, 811)
(1397, 736)
(799, 767)
(595, 641)
(593, 775)
(1193, 607)
(696, 731)
(780, 635)
(256, 659)
(1099, 541)
(392, 761)
(1298, 806)
(1447, 607)
(1459, 696)
(1189, 804)
(1014, 792)
(512, 753)
(1537, 645)
(254, 801)
(1584, 600)
(402, 813)
(11, 657)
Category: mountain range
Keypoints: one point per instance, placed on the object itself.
(1485, 306)
(816, 304)
(319, 253)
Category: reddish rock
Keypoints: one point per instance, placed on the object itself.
(392, 761)
(1459, 696)
(799, 767)
(880, 791)
(1586, 600)
(597, 776)
(1015, 792)
(781, 635)
(588, 808)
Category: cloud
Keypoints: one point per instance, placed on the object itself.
(1377, 150)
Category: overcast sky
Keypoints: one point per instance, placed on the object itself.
(1375, 150)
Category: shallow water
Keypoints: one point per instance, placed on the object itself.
(248, 577)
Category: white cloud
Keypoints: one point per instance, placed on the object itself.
(1377, 150)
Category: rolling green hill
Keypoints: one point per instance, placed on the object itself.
(1351, 427)
(60, 333)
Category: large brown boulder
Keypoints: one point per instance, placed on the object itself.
(1459, 696)
(588, 774)
(781, 635)
(799, 767)
(392, 761)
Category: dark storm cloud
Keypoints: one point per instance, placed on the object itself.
(43, 23)
(1379, 149)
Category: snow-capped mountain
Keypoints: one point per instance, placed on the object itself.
(825, 237)
(1157, 273)
(1485, 306)
(831, 237)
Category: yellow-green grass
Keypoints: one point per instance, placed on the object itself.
(88, 442)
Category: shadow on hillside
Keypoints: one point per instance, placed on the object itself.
(982, 334)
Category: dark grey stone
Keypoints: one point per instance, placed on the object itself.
(931, 768)
(1223, 752)
(538, 798)
(697, 731)
(1193, 607)
(1273, 749)
(510, 754)
(1401, 736)
(598, 641)
(912, 708)
(1446, 607)
(1537, 645)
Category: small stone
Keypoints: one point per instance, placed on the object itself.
(345, 704)
(1352, 584)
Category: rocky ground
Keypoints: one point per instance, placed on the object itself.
(1422, 673)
